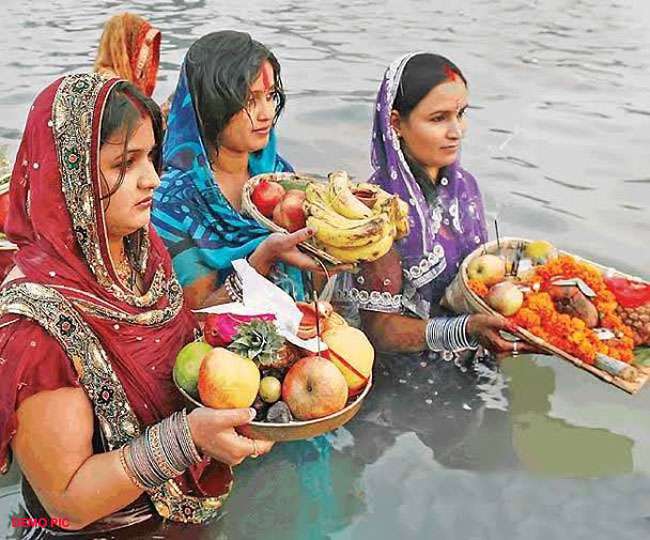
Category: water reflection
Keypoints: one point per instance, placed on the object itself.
(422, 418)
(552, 446)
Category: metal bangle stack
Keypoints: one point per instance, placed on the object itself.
(163, 452)
(234, 288)
(449, 334)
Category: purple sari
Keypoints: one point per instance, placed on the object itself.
(443, 231)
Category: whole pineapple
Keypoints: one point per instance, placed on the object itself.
(260, 341)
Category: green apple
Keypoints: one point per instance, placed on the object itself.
(488, 269)
(270, 389)
(188, 363)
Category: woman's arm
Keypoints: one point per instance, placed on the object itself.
(399, 333)
(53, 446)
(394, 332)
(277, 247)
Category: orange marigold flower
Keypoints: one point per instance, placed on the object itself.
(478, 287)
(539, 315)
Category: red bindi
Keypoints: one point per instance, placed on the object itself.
(267, 75)
(450, 73)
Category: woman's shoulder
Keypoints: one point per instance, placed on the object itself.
(31, 358)
(466, 181)
(465, 175)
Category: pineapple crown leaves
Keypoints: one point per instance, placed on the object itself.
(257, 340)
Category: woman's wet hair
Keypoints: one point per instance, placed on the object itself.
(124, 109)
(422, 73)
(221, 68)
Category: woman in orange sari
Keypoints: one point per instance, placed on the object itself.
(130, 49)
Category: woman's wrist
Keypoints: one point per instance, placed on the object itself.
(164, 451)
(195, 426)
(259, 262)
(234, 287)
(472, 325)
(449, 333)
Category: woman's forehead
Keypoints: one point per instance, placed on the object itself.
(447, 95)
(140, 134)
(265, 80)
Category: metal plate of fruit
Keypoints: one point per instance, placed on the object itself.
(300, 386)
(294, 430)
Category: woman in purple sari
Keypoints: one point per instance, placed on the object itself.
(418, 127)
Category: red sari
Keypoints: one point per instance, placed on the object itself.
(69, 321)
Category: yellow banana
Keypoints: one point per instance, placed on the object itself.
(385, 204)
(403, 208)
(341, 198)
(327, 214)
(317, 194)
(402, 223)
(403, 228)
(368, 253)
(369, 232)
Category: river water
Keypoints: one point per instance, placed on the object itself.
(558, 139)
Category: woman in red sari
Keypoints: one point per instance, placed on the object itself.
(130, 49)
(91, 320)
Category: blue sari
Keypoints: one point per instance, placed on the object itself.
(205, 234)
(200, 228)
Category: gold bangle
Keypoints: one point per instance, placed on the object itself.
(127, 470)
(161, 460)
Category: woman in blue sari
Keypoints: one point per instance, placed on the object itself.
(219, 134)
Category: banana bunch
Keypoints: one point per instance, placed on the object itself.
(346, 227)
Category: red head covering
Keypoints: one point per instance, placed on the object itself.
(145, 58)
(57, 221)
(130, 49)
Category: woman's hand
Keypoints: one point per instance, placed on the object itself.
(284, 247)
(214, 434)
(486, 329)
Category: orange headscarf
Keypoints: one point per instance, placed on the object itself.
(130, 49)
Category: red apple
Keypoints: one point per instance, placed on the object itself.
(289, 213)
(314, 387)
(266, 196)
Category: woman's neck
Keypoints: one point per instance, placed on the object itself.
(116, 249)
(230, 173)
(433, 174)
(229, 162)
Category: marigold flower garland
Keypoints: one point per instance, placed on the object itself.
(539, 316)
(478, 288)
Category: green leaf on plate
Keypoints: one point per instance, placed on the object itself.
(642, 356)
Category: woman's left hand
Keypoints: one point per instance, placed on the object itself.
(284, 247)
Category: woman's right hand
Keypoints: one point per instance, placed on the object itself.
(214, 434)
(486, 329)
(283, 247)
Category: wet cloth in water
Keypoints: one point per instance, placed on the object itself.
(201, 229)
(447, 222)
